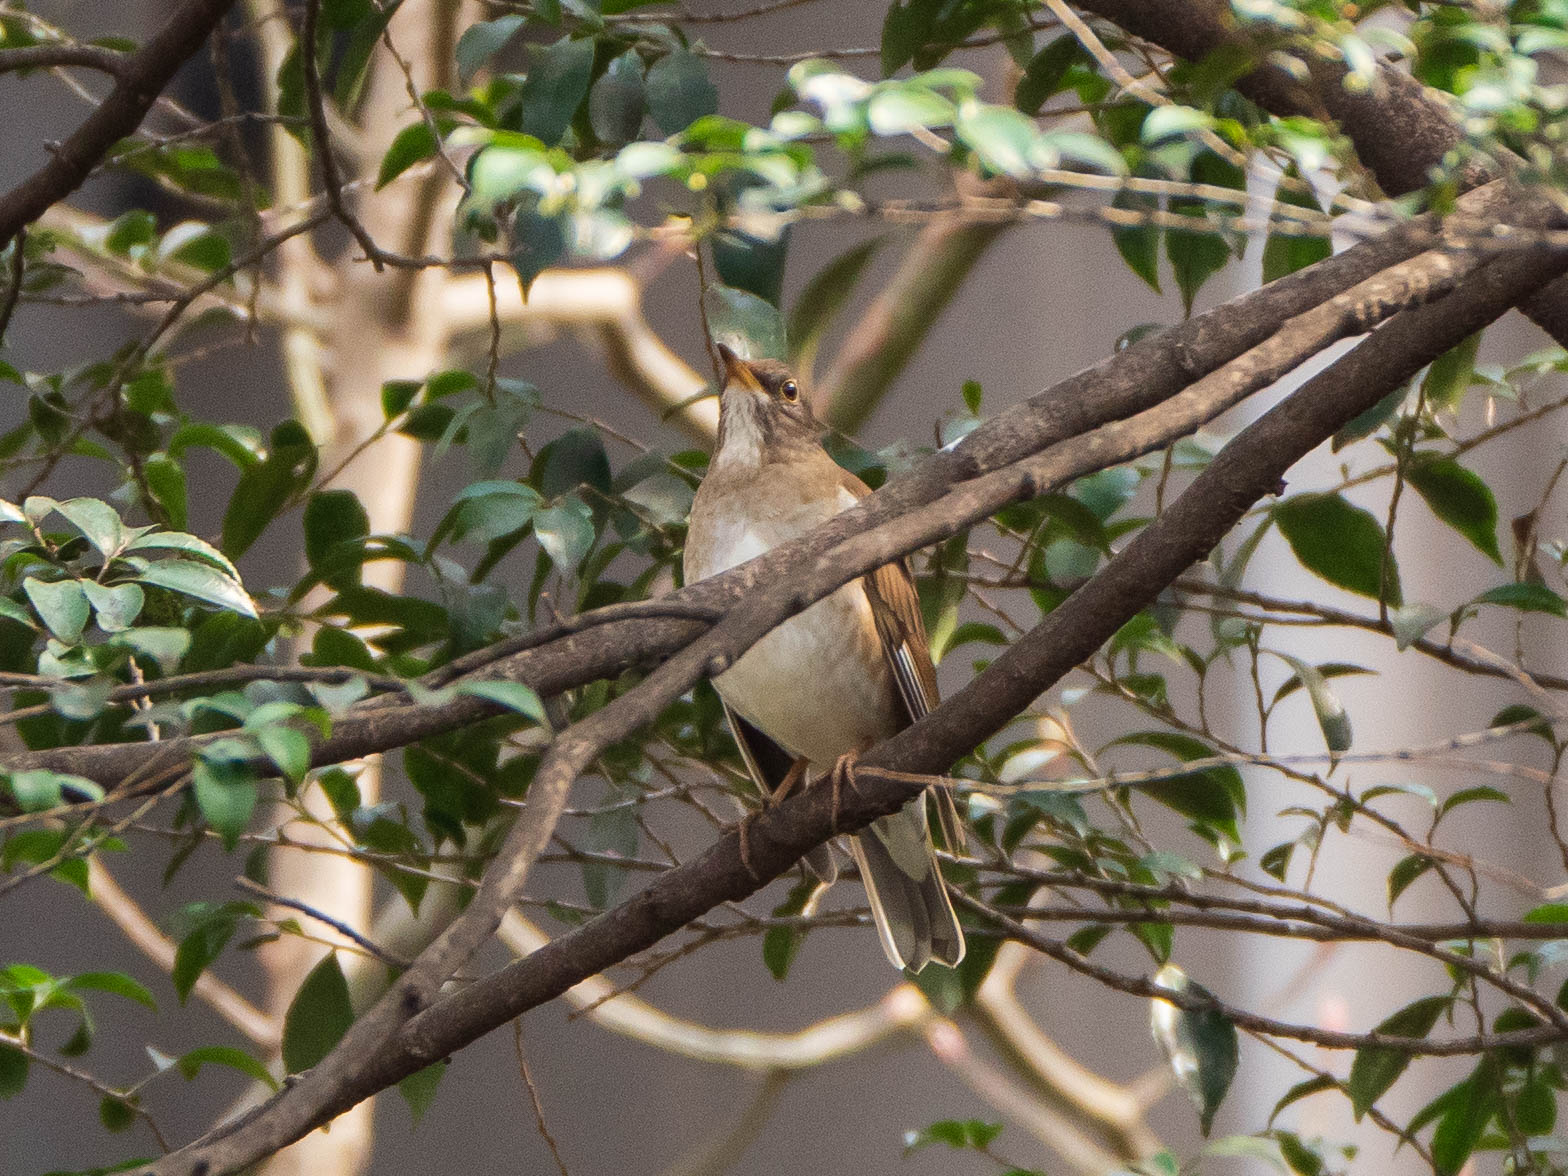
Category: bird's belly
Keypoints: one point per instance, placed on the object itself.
(818, 684)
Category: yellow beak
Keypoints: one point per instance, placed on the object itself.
(737, 370)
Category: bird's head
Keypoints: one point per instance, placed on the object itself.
(763, 414)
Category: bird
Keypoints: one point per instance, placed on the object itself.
(851, 670)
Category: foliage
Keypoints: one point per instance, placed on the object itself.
(205, 578)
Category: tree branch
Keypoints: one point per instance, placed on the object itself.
(141, 78)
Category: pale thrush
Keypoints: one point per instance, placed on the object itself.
(848, 672)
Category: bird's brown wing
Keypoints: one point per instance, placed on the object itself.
(895, 605)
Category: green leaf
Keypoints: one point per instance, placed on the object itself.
(419, 1089)
(557, 81)
(565, 531)
(117, 983)
(752, 325)
(1044, 76)
(1285, 253)
(1371, 420)
(196, 580)
(613, 832)
(318, 1016)
(1210, 796)
(514, 696)
(1376, 1068)
(13, 1071)
(226, 794)
(1301, 1090)
(1406, 870)
(679, 91)
(186, 545)
(1001, 138)
(116, 1114)
(1525, 598)
(38, 789)
(333, 518)
(1139, 245)
(1339, 542)
(1201, 1045)
(1330, 712)
(780, 945)
(413, 144)
(117, 607)
(62, 606)
(287, 748)
(166, 480)
(538, 242)
(618, 101)
(1460, 498)
(98, 521)
(190, 1064)
(575, 458)
(266, 487)
(481, 41)
(1450, 375)
(1464, 1120)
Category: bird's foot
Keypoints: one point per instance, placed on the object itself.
(796, 773)
(843, 773)
(741, 832)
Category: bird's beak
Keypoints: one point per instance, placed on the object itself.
(737, 370)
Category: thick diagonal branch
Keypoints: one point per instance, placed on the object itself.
(140, 78)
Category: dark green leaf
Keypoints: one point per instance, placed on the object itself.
(575, 458)
(1405, 871)
(226, 794)
(1210, 796)
(1285, 253)
(116, 982)
(538, 242)
(1338, 541)
(264, 488)
(116, 1114)
(318, 1016)
(1301, 1090)
(1139, 245)
(1465, 1119)
(413, 143)
(481, 41)
(190, 1064)
(1460, 498)
(1201, 1044)
(557, 81)
(1371, 420)
(1450, 375)
(1376, 1068)
(419, 1089)
(618, 102)
(1525, 598)
(13, 1071)
(333, 518)
(679, 91)
(1045, 75)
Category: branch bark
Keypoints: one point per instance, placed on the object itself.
(140, 79)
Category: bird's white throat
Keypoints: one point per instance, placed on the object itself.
(740, 432)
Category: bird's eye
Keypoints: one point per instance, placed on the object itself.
(790, 391)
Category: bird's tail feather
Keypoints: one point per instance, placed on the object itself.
(909, 903)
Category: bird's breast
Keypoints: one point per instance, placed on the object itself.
(819, 684)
